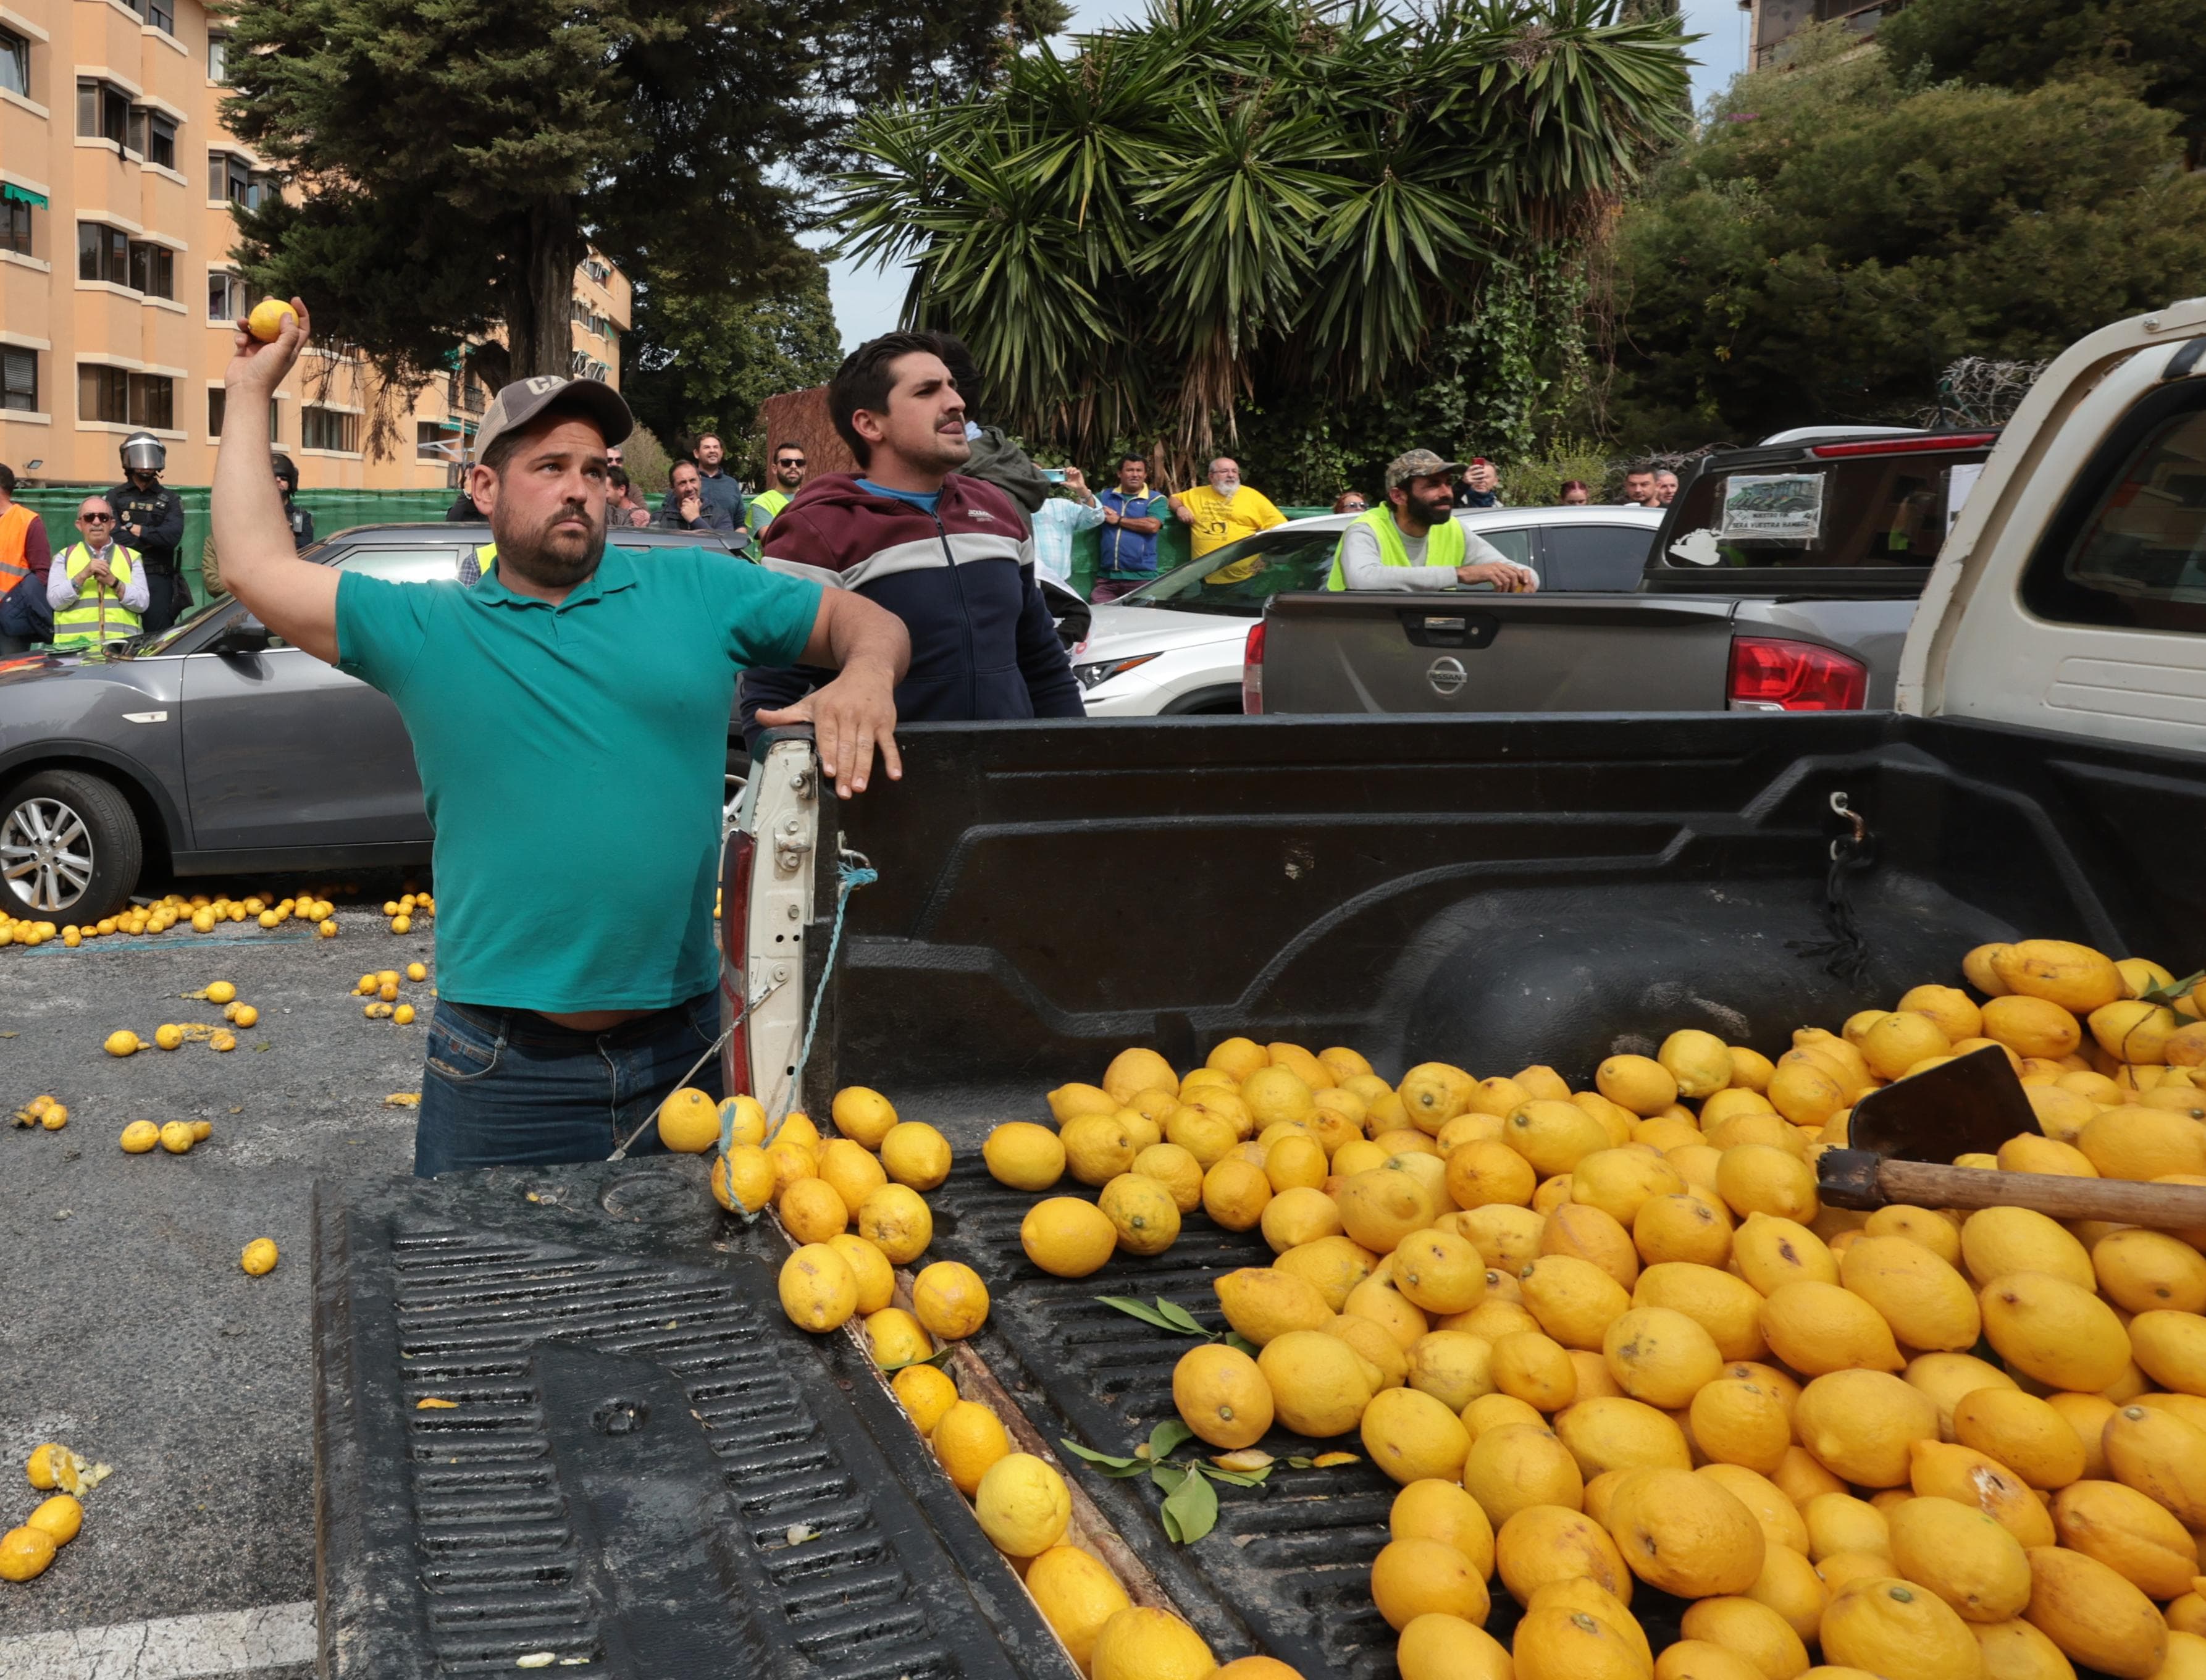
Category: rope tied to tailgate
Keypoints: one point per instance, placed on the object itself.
(1851, 854)
(855, 870)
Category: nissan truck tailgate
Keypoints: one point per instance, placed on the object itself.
(1476, 651)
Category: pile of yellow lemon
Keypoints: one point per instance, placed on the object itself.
(1611, 1336)
(381, 987)
(402, 910)
(27, 1549)
(48, 1112)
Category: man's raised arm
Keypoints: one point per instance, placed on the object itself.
(295, 600)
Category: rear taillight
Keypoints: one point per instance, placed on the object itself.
(1948, 440)
(1252, 672)
(735, 959)
(1769, 673)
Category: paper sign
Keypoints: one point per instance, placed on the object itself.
(1962, 478)
(1780, 506)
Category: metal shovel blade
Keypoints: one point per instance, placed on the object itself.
(1969, 1105)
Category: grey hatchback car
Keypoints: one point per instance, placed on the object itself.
(215, 748)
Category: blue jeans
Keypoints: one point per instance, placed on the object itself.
(506, 1087)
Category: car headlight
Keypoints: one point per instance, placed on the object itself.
(1093, 676)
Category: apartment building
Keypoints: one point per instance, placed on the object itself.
(1776, 21)
(117, 290)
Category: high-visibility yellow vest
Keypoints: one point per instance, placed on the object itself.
(1444, 545)
(486, 562)
(98, 616)
(773, 501)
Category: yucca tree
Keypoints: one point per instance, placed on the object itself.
(1236, 193)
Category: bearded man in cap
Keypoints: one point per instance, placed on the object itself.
(571, 696)
(1415, 541)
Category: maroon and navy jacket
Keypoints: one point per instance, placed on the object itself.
(983, 645)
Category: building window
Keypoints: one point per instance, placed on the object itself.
(160, 141)
(329, 429)
(103, 253)
(19, 379)
(15, 226)
(218, 58)
(161, 14)
(217, 402)
(153, 270)
(227, 298)
(122, 398)
(229, 176)
(103, 113)
(14, 63)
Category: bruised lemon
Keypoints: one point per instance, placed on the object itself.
(926, 1393)
(949, 1299)
(139, 1136)
(744, 1179)
(896, 1219)
(818, 1291)
(1141, 1212)
(259, 1257)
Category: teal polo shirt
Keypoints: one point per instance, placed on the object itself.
(572, 757)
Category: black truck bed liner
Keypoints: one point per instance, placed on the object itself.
(646, 1471)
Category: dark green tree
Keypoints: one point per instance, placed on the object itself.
(1833, 241)
(2155, 49)
(705, 364)
(452, 162)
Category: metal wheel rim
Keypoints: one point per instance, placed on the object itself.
(45, 854)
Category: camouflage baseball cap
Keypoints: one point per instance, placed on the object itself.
(1418, 464)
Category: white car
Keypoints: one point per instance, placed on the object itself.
(1173, 647)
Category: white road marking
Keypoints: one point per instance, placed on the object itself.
(171, 1647)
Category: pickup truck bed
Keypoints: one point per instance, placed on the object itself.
(1555, 889)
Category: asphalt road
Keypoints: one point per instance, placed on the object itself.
(129, 1332)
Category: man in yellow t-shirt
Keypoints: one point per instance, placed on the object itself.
(1224, 510)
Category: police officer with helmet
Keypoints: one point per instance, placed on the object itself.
(149, 519)
(301, 520)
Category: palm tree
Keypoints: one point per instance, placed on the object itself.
(1253, 193)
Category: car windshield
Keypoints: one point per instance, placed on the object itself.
(1244, 574)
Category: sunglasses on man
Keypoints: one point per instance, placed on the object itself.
(791, 461)
(96, 519)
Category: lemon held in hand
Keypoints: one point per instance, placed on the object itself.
(267, 318)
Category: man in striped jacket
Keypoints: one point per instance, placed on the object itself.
(948, 555)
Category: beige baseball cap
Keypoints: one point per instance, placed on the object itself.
(522, 401)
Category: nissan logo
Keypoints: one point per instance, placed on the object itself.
(1446, 675)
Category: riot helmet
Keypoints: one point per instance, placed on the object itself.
(142, 452)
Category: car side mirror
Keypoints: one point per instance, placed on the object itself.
(242, 635)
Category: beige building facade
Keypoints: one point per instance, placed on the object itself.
(117, 290)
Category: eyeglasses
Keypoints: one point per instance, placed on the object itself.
(96, 519)
(791, 461)
(1354, 507)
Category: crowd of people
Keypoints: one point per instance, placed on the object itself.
(909, 589)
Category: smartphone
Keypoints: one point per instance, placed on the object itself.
(1054, 475)
(1478, 460)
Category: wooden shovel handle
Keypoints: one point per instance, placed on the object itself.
(2161, 1206)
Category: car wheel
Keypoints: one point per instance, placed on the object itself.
(69, 848)
(1219, 702)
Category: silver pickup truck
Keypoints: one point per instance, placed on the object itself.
(1782, 580)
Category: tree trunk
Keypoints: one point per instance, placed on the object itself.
(542, 289)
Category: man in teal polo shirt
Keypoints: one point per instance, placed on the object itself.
(568, 715)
